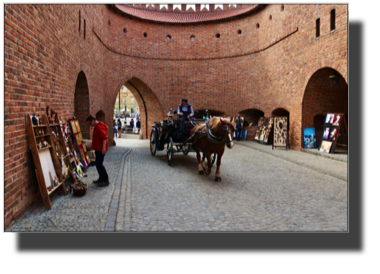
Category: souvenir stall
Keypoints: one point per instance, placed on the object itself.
(54, 155)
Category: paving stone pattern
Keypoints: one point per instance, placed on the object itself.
(258, 192)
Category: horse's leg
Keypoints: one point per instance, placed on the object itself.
(218, 178)
(203, 162)
(209, 164)
(200, 168)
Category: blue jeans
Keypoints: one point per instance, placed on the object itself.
(238, 132)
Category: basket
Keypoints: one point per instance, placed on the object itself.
(80, 188)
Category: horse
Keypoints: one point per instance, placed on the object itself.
(211, 137)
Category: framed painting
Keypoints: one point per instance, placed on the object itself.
(325, 146)
(280, 131)
(309, 138)
(258, 129)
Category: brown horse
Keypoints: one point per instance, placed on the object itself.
(211, 137)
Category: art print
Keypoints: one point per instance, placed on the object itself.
(333, 134)
(309, 138)
(268, 130)
(77, 125)
(258, 129)
(73, 126)
(326, 133)
(280, 131)
(325, 146)
(329, 118)
(337, 120)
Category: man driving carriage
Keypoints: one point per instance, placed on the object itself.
(185, 111)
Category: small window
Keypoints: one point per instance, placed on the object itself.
(132, 100)
(109, 22)
(317, 27)
(145, 35)
(124, 100)
(282, 7)
(84, 29)
(168, 37)
(125, 30)
(257, 26)
(80, 21)
(192, 37)
(332, 20)
(239, 32)
(270, 17)
(217, 35)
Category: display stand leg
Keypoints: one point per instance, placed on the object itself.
(44, 194)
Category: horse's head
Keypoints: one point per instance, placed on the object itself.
(228, 130)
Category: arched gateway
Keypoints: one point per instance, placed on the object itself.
(149, 105)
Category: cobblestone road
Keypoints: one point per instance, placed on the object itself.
(258, 192)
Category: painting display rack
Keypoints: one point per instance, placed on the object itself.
(45, 159)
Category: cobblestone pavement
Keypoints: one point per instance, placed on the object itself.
(259, 192)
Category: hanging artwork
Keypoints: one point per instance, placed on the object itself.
(325, 146)
(280, 134)
(258, 129)
(309, 138)
(268, 129)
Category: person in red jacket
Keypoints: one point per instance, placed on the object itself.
(100, 145)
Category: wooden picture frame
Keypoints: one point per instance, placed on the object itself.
(258, 129)
(280, 132)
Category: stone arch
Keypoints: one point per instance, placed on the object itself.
(149, 104)
(281, 112)
(213, 113)
(320, 98)
(342, 69)
(252, 115)
(82, 104)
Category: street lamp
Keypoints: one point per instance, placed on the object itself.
(334, 80)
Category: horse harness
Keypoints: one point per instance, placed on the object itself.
(212, 138)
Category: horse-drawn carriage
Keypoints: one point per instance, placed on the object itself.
(168, 134)
(208, 137)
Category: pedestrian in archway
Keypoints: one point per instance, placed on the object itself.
(239, 124)
(138, 125)
(119, 128)
(114, 128)
(132, 124)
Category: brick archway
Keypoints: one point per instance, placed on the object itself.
(82, 104)
(320, 99)
(149, 105)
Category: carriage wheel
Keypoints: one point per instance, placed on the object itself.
(152, 143)
(213, 158)
(169, 151)
(185, 150)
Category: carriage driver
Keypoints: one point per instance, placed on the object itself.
(185, 110)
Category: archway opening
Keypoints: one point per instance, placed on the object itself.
(82, 104)
(198, 113)
(146, 106)
(280, 112)
(252, 115)
(320, 98)
(126, 110)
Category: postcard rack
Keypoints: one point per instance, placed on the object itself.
(48, 168)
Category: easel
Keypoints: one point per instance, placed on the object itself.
(47, 136)
(345, 125)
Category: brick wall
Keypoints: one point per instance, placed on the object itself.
(264, 68)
